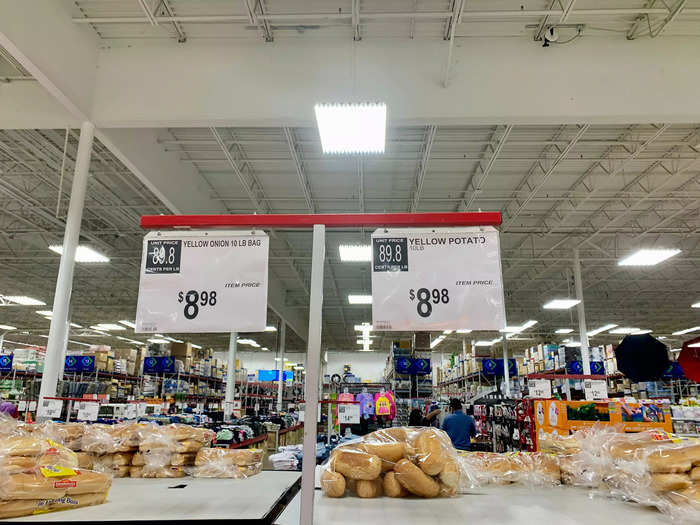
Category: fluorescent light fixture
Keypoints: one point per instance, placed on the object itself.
(437, 341)
(173, 340)
(563, 330)
(566, 340)
(351, 128)
(84, 254)
(45, 313)
(694, 345)
(157, 340)
(265, 349)
(362, 341)
(79, 343)
(23, 300)
(510, 329)
(601, 329)
(573, 343)
(76, 325)
(464, 331)
(360, 299)
(107, 327)
(662, 337)
(270, 329)
(298, 368)
(277, 358)
(560, 304)
(647, 257)
(624, 330)
(129, 340)
(696, 305)
(528, 324)
(483, 343)
(197, 347)
(642, 332)
(355, 253)
(362, 327)
(130, 324)
(687, 330)
(448, 332)
(249, 342)
(7, 327)
(518, 329)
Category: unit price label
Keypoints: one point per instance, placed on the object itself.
(437, 279)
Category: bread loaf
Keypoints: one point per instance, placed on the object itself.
(450, 474)
(391, 452)
(387, 435)
(163, 472)
(122, 458)
(85, 460)
(121, 471)
(355, 465)
(332, 484)
(188, 445)
(392, 487)
(21, 446)
(15, 464)
(136, 472)
(669, 461)
(137, 460)
(180, 460)
(369, 488)
(30, 485)
(430, 452)
(13, 509)
(243, 456)
(446, 492)
(415, 480)
(668, 482)
(695, 474)
(87, 481)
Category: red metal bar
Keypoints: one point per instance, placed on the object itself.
(331, 220)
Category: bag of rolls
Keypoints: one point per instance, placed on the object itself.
(51, 488)
(394, 462)
(227, 463)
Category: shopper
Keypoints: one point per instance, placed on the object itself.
(416, 418)
(459, 426)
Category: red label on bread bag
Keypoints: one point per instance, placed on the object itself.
(64, 484)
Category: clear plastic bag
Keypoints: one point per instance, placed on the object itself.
(227, 463)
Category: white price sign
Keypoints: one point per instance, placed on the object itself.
(540, 388)
(22, 406)
(88, 411)
(437, 279)
(131, 411)
(50, 408)
(349, 414)
(140, 409)
(203, 282)
(32, 406)
(595, 389)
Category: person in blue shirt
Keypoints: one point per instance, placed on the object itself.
(459, 426)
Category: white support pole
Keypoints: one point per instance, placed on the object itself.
(506, 371)
(583, 334)
(313, 367)
(280, 386)
(55, 348)
(230, 376)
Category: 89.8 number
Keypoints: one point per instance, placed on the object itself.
(194, 299)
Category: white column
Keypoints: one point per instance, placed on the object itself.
(280, 387)
(583, 334)
(313, 367)
(506, 371)
(55, 348)
(230, 376)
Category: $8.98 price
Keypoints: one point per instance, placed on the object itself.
(427, 298)
(195, 300)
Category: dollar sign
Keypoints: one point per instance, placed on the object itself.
(411, 294)
(179, 297)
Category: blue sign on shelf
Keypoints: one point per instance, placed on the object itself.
(87, 363)
(6, 363)
(150, 365)
(72, 363)
(79, 363)
(494, 367)
(159, 365)
(674, 371)
(419, 367)
(574, 367)
(402, 365)
(598, 368)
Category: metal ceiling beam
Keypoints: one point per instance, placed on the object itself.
(303, 180)
(147, 11)
(356, 35)
(660, 27)
(451, 29)
(423, 165)
(167, 8)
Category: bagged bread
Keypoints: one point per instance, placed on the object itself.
(121, 471)
(392, 488)
(415, 480)
(157, 438)
(668, 482)
(136, 472)
(16, 508)
(189, 433)
(669, 460)
(354, 464)
(180, 460)
(369, 488)
(332, 484)
(15, 464)
(85, 460)
(122, 458)
(188, 445)
(432, 454)
(55, 454)
(242, 456)
(220, 470)
(164, 472)
(98, 439)
(21, 446)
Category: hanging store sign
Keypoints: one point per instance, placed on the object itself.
(494, 367)
(202, 282)
(437, 279)
(6, 363)
(79, 363)
(159, 365)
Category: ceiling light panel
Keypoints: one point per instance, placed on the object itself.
(107, 327)
(647, 257)
(355, 253)
(351, 128)
(687, 330)
(7, 327)
(360, 299)
(83, 254)
(560, 304)
(23, 300)
(624, 330)
(601, 329)
(130, 324)
(564, 330)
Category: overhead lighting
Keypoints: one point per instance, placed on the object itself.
(601, 329)
(662, 337)
(647, 257)
(108, 327)
(355, 253)
(270, 329)
(298, 368)
(7, 327)
(483, 343)
(249, 342)
(360, 299)
(368, 339)
(528, 324)
(518, 329)
(563, 330)
(128, 323)
(510, 329)
(624, 330)
(573, 343)
(158, 341)
(351, 128)
(694, 345)
(362, 327)
(642, 332)
(687, 330)
(197, 347)
(696, 305)
(79, 343)
(464, 331)
(83, 254)
(561, 304)
(448, 332)
(265, 349)
(173, 340)
(45, 313)
(437, 341)
(23, 300)
(75, 325)
(134, 341)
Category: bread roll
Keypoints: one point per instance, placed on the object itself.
(55, 454)
(369, 488)
(695, 474)
(137, 460)
(446, 492)
(355, 465)
(242, 456)
(122, 458)
(668, 482)
(21, 446)
(12, 509)
(692, 454)
(430, 452)
(332, 484)
(87, 481)
(415, 480)
(163, 472)
(668, 461)
(180, 460)
(391, 452)
(219, 470)
(188, 445)
(387, 435)
(689, 496)
(450, 474)
(136, 472)
(15, 464)
(392, 487)
(30, 485)
(187, 433)
(85, 460)
(121, 471)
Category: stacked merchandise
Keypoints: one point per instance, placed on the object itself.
(227, 463)
(686, 418)
(287, 458)
(38, 475)
(497, 425)
(396, 462)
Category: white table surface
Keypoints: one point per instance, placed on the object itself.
(151, 499)
(505, 505)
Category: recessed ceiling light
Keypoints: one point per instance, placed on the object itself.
(695, 305)
(7, 327)
(249, 342)
(83, 254)
(107, 327)
(642, 332)
(560, 304)
(647, 257)
(130, 324)
(687, 330)
(483, 343)
(573, 343)
(355, 253)
(270, 329)
(360, 299)
(197, 347)
(351, 128)
(564, 330)
(694, 345)
(464, 331)
(601, 329)
(45, 313)
(158, 341)
(23, 300)
(76, 325)
(624, 330)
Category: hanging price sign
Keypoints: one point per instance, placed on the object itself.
(595, 389)
(203, 282)
(88, 411)
(437, 279)
(349, 414)
(131, 411)
(50, 408)
(540, 388)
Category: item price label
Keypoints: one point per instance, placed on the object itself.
(437, 279)
(50, 408)
(88, 411)
(595, 389)
(131, 411)
(349, 414)
(540, 388)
